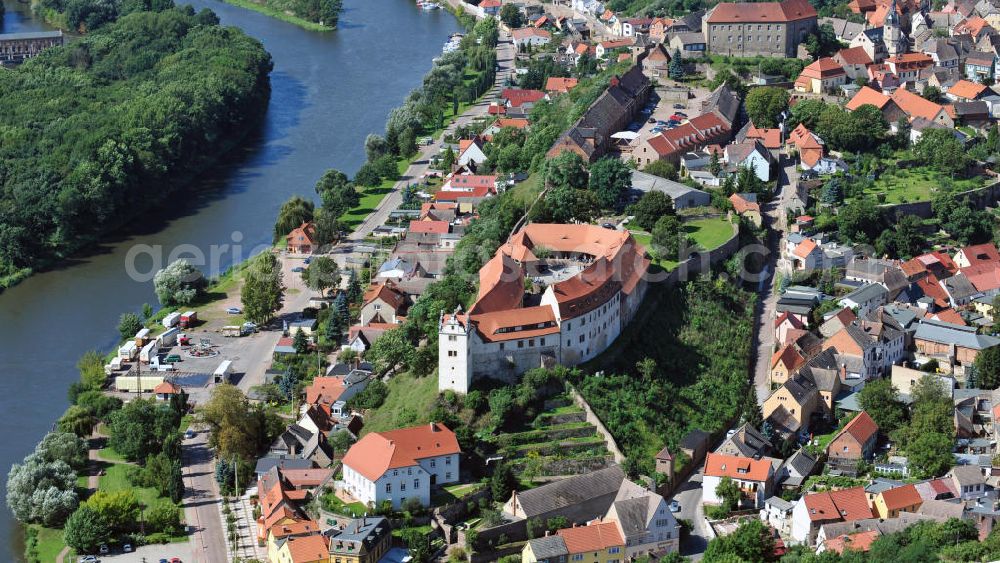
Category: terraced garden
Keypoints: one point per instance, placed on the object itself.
(560, 441)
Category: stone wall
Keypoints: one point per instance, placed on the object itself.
(595, 420)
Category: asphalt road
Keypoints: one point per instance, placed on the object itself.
(201, 501)
(689, 497)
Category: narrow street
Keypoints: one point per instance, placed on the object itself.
(689, 497)
(201, 501)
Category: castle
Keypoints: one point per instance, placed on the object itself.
(587, 282)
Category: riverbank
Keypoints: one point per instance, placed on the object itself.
(279, 14)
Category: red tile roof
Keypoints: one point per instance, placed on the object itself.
(517, 97)
(868, 95)
(764, 12)
(435, 227)
(377, 452)
(459, 182)
(737, 467)
(915, 106)
(770, 138)
(308, 549)
(845, 505)
(823, 69)
(805, 248)
(789, 356)
(860, 541)
(966, 89)
(861, 428)
(387, 292)
(786, 316)
(326, 390)
(515, 122)
(981, 254)
(854, 56)
(526, 32)
(741, 205)
(166, 388)
(591, 538)
(901, 497)
(555, 84)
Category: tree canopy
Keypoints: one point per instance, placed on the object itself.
(765, 104)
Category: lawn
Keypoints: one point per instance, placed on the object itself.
(916, 184)
(452, 493)
(115, 479)
(332, 503)
(372, 196)
(109, 454)
(526, 191)
(706, 233)
(50, 543)
(410, 402)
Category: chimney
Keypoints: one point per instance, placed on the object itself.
(843, 371)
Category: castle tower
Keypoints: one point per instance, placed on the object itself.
(454, 366)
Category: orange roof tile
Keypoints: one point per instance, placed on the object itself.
(387, 291)
(515, 122)
(867, 95)
(737, 467)
(166, 388)
(308, 549)
(966, 89)
(950, 315)
(861, 428)
(377, 452)
(560, 85)
(515, 324)
(324, 390)
(298, 528)
(517, 97)
(770, 138)
(845, 505)
(901, 497)
(426, 226)
(593, 537)
(789, 356)
(823, 69)
(805, 248)
(977, 254)
(854, 56)
(741, 205)
(915, 106)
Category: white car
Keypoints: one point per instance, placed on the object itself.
(88, 559)
(234, 310)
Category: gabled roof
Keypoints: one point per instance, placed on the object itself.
(789, 356)
(861, 428)
(425, 226)
(560, 85)
(742, 205)
(737, 467)
(805, 248)
(843, 505)
(854, 56)
(377, 452)
(387, 292)
(914, 105)
(901, 497)
(571, 491)
(592, 537)
(868, 95)
(517, 97)
(967, 89)
(823, 69)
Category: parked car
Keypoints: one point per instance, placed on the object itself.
(172, 358)
(678, 106)
(88, 559)
(673, 122)
(234, 311)
(298, 269)
(681, 113)
(127, 548)
(661, 122)
(189, 434)
(308, 260)
(104, 550)
(652, 120)
(656, 130)
(609, 226)
(675, 506)
(249, 327)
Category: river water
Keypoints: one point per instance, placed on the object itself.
(329, 90)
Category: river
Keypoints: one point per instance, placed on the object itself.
(329, 90)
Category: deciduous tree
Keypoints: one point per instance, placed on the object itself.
(262, 288)
(609, 180)
(765, 104)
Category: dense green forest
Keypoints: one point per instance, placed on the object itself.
(84, 16)
(682, 364)
(97, 132)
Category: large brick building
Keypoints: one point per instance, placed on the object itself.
(771, 29)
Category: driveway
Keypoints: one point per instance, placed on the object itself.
(689, 497)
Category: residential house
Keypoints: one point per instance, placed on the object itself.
(755, 478)
(854, 61)
(328, 390)
(363, 540)
(855, 442)
(889, 503)
(489, 8)
(605, 48)
(858, 536)
(824, 76)
(750, 154)
(770, 138)
(300, 441)
(977, 255)
(400, 464)
(816, 509)
(470, 152)
(657, 61)
(777, 513)
(968, 481)
(558, 85)
(770, 29)
(889, 108)
(835, 322)
(302, 239)
(865, 299)
(301, 549)
(745, 441)
(844, 30)
(796, 469)
(859, 353)
(872, 42)
(784, 323)
(598, 541)
(790, 407)
(644, 520)
(809, 145)
(804, 254)
(691, 44)
(914, 106)
(966, 91)
(784, 363)
(530, 36)
(907, 66)
(701, 131)
(746, 206)
(979, 66)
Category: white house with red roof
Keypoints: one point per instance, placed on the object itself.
(755, 477)
(821, 77)
(401, 464)
(470, 151)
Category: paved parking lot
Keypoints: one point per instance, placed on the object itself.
(152, 554)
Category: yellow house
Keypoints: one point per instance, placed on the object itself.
(888, 504)
(597, 542)
(364, 540)
(790, 406)
(302, 549)
(784, 363)
(285, 529)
